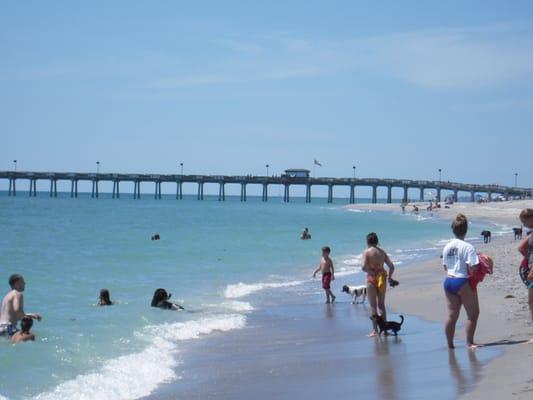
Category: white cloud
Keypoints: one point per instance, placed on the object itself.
(468, 58)
(454, 59)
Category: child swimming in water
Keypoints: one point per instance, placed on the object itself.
(24, 335)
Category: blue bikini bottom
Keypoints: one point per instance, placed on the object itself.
(453, 285)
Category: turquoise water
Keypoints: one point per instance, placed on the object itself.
(214, 257)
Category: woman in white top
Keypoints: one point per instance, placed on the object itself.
(460, 259)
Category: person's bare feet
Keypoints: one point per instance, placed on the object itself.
(373, 334)
(474, 346)
(333, 299)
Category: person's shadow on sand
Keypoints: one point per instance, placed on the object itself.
(505, 342)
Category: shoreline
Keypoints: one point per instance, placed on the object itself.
(503, 326)
(498, 213)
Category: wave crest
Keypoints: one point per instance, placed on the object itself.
(237, 290)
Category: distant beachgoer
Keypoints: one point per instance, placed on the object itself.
(305, 234)
(374, 260)
(403, 207)
(160, 300)
(13, 306)
(526, 249)
(24, 335)
(104, 299)
(460, 260)
(328, 274)
(156, 237)
(415, 209)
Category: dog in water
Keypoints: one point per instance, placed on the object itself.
(385, 326)
(355, 292)
(486, 236)
(517, 233)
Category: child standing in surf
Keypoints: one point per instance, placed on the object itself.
(328, 274)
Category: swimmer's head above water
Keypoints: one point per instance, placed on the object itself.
(104, 299)
(160, 295)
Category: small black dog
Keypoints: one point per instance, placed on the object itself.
(385, 326)
(517, 233)
(486, 236)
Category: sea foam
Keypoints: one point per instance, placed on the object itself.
(240, 289)
(137, 375)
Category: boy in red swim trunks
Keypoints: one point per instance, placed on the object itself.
(328, 273)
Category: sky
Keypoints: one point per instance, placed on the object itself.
(396, 89)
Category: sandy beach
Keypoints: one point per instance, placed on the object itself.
(504, 321)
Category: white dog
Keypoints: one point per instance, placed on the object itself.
(355, 291)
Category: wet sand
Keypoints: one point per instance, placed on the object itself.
(504, 322)
(312, 350)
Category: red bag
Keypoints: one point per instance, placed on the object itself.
(484, 267)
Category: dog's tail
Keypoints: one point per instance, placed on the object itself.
(401, 317)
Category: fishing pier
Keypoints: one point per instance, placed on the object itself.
(285, 181)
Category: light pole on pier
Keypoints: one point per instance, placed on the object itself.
(97, 167)
(181, 168)
(516, 179)
(353, 171)
(267, 166)
(440, 175)
(15, 165)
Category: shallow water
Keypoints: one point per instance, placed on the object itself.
(213, 256)
(311, 350)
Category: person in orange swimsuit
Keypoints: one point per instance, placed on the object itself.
(374, 259)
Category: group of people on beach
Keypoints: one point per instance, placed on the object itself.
(374, 261)
(464, 268)
(12, 309)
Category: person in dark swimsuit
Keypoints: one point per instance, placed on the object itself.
(160, 300)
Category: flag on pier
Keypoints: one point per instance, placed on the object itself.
(317, 163)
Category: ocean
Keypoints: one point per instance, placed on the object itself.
(223, 261)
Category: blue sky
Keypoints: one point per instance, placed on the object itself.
(398, 89)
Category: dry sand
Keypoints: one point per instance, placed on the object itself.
(505, 212)
(504, 321)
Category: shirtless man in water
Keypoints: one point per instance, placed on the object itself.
(13, 306)
(374, 259)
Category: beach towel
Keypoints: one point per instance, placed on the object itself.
(485, 266)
